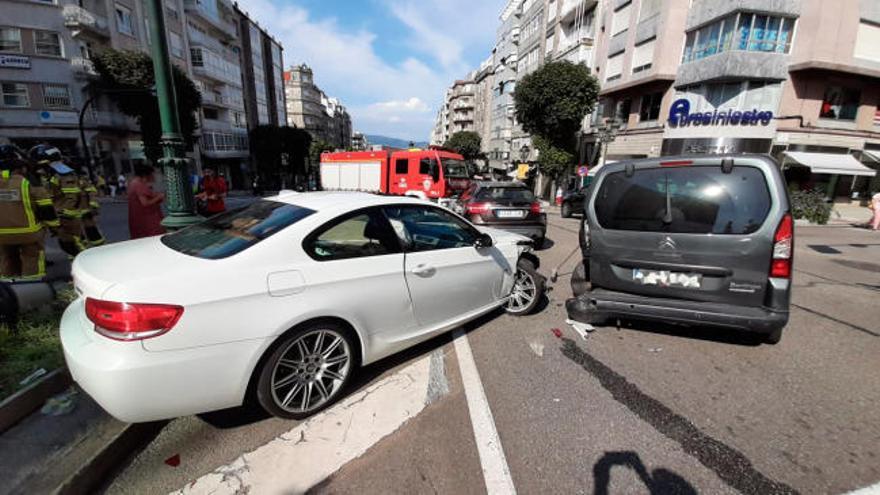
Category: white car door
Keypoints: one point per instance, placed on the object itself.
(447, 275)
(360, 269)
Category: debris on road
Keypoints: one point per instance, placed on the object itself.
(537, 348)
(582, 329)
(174, 461)
(655, 349)
(557, 332)
(60, 404)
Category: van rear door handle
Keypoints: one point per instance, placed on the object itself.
(424, 270)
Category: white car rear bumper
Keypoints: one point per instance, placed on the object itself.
(136, 385)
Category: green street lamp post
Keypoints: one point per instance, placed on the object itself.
(179, 194)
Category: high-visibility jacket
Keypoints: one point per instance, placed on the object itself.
(90, 195)
(24, 210)
(68, 196)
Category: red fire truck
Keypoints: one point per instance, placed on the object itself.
(434, 174)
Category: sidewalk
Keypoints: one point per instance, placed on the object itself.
(849, 215)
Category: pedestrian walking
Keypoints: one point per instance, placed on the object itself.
(120, 183)
(25, 212)
(875, 205)
(144, 204)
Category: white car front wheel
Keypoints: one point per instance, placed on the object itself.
(528, 288)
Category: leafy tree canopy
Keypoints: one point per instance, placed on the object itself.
(318, 146)
(553, 101)
(133, 70)
(466, 143)
(552, 160)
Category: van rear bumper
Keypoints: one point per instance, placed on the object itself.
(599, 305)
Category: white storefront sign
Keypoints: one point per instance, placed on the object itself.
(56, 118)
(15, 62)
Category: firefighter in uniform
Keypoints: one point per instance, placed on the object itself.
(91, 233)
(25, 211)
(67, 196)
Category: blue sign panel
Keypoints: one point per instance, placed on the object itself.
(680, 116)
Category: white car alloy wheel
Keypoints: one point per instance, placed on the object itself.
(307, 372)
(528, 286)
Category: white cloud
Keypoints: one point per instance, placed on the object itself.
(398, 98)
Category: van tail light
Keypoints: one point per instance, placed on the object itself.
(131, 321)
(536, 207)
(478, 208)
(783, 248)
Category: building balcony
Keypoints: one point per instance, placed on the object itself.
(734, 65)
(571, 8)
(216, 125)
(200, 39)
(83, 68)
(211, 17)
(82, 21)
(577, 52)
(707, 10)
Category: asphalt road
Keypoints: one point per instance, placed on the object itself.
(641, 408)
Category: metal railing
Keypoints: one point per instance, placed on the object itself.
(78, 17)
(83, 67)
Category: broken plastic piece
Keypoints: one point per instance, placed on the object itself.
(173, 461)
(60, 404)
(33, 377)
(581, 328)
(557, 332)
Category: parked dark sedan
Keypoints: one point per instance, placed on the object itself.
(509, 206)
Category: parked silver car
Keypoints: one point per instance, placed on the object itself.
(698, 240)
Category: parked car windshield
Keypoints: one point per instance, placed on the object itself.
(518, 194)
(702, 200)
(236, 230)
(454, 168)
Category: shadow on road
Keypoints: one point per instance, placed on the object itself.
(713, 334)
(659, 481)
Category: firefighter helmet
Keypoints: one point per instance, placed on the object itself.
(44, 154)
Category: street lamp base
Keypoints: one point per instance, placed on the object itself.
(177, 222)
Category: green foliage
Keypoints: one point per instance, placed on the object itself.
(810, 205)
(34, 344)
(280, 151)
(133, 70)
(466, 143)
(553, 101)
(553, 161)
(318, 146)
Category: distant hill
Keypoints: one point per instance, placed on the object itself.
(393, 142)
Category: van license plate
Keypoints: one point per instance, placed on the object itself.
(664, 278)
(510, 213)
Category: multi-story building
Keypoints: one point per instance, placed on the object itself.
(46, 70)
(461, 106)
(359, 141)
(532, 52)
(793, 79)
(505, 57)
(309, 108)
(484, 79)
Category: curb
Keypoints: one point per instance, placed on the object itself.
(27, 400)
(93, 475)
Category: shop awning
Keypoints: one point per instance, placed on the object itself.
(830, 163)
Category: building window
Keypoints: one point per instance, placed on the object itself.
(210, 113)
(176, 44)
(867, 41)
(14, 95)
(123, 20)
(47, 43)
(643, 56)
(648, 9)
(56, 96)
(840, 103)
(624, 107)
(741, 31)
(650, 107)
(620, 19)
(10, 39)
(614, 67)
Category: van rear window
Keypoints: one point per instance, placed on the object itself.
(236, 230)
(695, 200)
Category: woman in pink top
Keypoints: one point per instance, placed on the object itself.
(144, 205)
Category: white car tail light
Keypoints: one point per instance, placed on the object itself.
(131, 321)
(783, 246)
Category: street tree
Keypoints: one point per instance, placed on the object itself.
(132, 72)
(280, 152)
(550, 104)
(317, 147)
(466, 143)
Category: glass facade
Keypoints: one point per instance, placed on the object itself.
(741, 31)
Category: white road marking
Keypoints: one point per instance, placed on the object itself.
(868, 490)
(496, 474)
(307, 454)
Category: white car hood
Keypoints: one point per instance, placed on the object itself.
(502, 236)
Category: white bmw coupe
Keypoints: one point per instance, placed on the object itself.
(281, 301)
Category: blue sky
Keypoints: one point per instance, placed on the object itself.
(389, 61)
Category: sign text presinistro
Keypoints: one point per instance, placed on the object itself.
(680, 116)
(15, 61)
